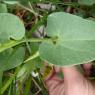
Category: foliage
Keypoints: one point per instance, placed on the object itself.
(36, 32)
(74, 43)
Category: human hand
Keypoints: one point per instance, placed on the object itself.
(74, 82)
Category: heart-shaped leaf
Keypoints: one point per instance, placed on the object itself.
(11, 58)
(75, 43)
(11, 27)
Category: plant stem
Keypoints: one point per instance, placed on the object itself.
(1, 74)
(40, 40)
(28, 9)
(36, 84)
(13, 43)
(28, 46)
(7, 84)
(32, 57)
(28, 87)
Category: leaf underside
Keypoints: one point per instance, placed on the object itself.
(76, 40)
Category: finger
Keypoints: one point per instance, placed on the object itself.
(76, 83)
(53, 83)
(73, 80)
(87, 68)
(58, 90)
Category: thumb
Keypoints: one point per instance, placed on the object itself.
(75, 82)
(71, 74)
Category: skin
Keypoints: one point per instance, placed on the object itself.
(74, 82)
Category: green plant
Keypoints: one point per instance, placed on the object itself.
(69, 40)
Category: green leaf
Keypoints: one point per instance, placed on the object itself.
(34, 47)
(25, 2)
(11, 27)
(3, 8)
(75, 43)
(11, 58)
(86, 2)
(38, 63)
(10, 1)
